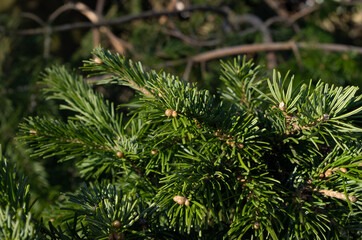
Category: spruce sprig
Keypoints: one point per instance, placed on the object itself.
(267, 160)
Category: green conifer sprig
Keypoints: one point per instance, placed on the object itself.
(162, 91)
(94, 151)
(268, 160)
(240, 79)
(14, 188)
(16, 220)
(100, 205)
(90, 107)
(16, 225)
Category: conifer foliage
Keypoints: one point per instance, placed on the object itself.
(262, 159)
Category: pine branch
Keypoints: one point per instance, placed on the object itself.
(16, 221)
(101, 210)
(240, 78)
(335, 194)
(260, 162)
(14, 188)
(96, 152)
(164, 92)
(91, 108)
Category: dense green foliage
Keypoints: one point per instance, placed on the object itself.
(260, 159)
(169, 43)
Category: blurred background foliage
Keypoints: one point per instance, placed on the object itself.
(35, 34)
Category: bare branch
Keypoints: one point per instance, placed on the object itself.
(100, 7)
(336, 194)
(187, 72)
(258, 24)
(277, 46)
(190, 40)
(302, 13)
(60, 10)
(117, 43)
(33, 17)
(121, 20)
(275, 5)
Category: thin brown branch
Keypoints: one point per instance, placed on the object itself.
(297, 55)
(335, 194)
(302, 13)
(331, 47)
(60, 10)
(289, 21)
(276, 6)
(96, 34)
(86, 11)
(248, 48)
(47, 41)
(33, 17)
(260, 25)
(190, 40)
(292, 18)
(121, 20)
(276, 46)
(117, 43)
(187, 72)
(100, 7)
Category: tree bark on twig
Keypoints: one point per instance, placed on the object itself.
(121, 20)
(260, 25)
(276, 46)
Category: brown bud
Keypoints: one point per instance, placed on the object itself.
(168, 112)
(98, 60)
(256, 225)
(282, 106)
(352, 198)
(328, 173)
(117, 224)
(154, 152)
(342, 169)
(232, 144)
(187, 202)
(174, 114)
(240, 145)
(120, 154)
(179, 199)
(110, 236)
(33, 132)
(321, 175)
(118, 236)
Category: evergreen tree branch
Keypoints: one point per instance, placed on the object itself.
(80, 98)
(275, 46)
(16, 220)
(124, 19)
(95, 152)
